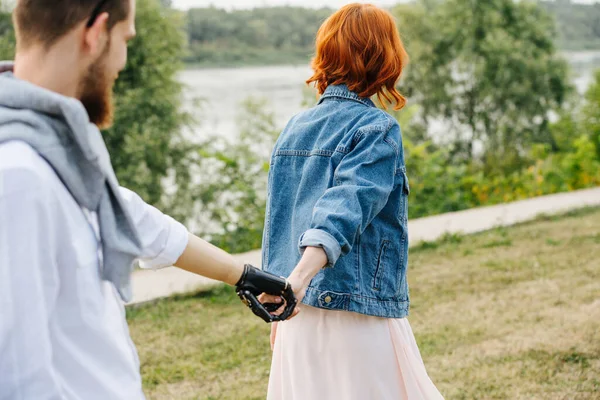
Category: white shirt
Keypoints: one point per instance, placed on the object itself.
(63, 333)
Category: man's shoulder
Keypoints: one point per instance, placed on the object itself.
(22, 168)
(19, 156)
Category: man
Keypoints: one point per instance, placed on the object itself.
(68, 233)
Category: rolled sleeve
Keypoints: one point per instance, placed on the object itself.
(174, 246)
(163, 239)
(322, 239)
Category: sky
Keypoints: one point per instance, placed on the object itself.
(229, 4)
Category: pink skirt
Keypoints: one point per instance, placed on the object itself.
(338, 355)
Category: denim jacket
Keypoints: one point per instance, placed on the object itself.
(338, 181)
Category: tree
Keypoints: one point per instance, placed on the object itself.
(7, 37)
(591, 113)
(146, 143)
(488, 70)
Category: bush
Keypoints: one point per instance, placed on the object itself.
(231, 195)
(439, 186)
(146, 143)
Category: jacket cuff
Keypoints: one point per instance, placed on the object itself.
(322, 239)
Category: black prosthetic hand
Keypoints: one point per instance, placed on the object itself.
(254, 282)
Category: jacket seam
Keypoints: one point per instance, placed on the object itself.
(369, 130)
(358, 296)
(401, 170)
(310, 153)
(345, 96)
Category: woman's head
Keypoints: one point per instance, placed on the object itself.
(360, 46)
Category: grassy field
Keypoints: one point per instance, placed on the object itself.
(508, 314)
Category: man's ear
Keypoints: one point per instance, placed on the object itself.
(96, 36)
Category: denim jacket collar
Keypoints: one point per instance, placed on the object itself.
(342, 91)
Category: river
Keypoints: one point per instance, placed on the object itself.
(222, 90)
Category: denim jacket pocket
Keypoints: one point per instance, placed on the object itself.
(403, 210)
(386, 270)
(406, 183)
(379, 270)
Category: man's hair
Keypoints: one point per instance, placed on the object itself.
(360, 46)
(46, 21)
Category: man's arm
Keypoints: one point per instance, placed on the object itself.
(202, 258)
(166, 242)
(28, 288)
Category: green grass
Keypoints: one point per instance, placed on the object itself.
(513, 313)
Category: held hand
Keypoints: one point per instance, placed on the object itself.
(299, 285)
(275, 304)
(255, 282)
(313, 260)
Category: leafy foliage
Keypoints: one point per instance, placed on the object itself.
(591, 114)
(487, 72)
(146, 143)
(232, 193)
(7, 35)
(439, 185)
(148, 149)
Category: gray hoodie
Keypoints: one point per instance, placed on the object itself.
(58, 128)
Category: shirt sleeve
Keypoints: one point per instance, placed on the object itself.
(363, 183)
(163, 239)
(28, 288)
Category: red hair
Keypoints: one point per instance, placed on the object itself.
(360, 46)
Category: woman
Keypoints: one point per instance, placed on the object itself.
(338, 196)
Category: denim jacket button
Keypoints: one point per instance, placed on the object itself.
(328, 299)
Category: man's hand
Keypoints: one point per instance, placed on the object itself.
(255, 282)
(202, 258)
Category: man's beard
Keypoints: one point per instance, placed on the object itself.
(96, 95)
